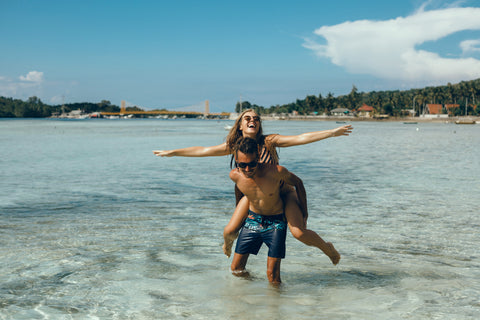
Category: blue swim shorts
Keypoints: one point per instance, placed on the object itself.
(259, 229)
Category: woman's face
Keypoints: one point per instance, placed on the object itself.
(250, 124)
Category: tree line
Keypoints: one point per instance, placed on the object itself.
(465, 94)
(35, 108)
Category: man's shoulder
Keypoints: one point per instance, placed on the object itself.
(281, 171)
(274, 169)
(277, 168)
(271, 166)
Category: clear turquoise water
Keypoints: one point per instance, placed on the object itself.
(94, 226)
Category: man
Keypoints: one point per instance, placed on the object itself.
(266, 222)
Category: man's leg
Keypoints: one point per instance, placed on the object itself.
(239, 263)
(273, 270)
(275, 240)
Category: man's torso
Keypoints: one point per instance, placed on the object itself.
(263, 191)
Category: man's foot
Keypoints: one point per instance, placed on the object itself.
(333, 253)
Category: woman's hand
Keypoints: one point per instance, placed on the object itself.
(342, 131)
(162, 153)
(213, 151)
(309, 137)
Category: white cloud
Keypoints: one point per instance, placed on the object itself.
(388, 49)
(470, 46)
(26, 86)
(33, 76)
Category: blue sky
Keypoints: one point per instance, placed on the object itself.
(174, 54)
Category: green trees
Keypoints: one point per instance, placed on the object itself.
(394, 103)
(245, 105)
(32, 108)
(35, 108)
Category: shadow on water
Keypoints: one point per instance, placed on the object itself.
(31, 291)
(361, 279)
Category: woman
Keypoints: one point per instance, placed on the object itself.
(248, 124)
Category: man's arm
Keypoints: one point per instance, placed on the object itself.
(295, 181)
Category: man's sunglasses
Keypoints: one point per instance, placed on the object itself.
(243, 165)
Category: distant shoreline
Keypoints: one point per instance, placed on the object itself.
(339, 120)
(358, 119)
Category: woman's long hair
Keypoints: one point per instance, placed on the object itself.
(235, 134)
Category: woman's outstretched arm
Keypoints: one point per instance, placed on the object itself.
(309, 137)
(213, 151)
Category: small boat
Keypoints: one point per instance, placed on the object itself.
(410, 122)
(228, 127)
(465, 121)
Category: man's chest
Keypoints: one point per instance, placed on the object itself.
(260, 188)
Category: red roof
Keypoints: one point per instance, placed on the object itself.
(365, 108)
(434, 108)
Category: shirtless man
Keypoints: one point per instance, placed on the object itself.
(266, 222)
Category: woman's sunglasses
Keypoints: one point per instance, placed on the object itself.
(254, 118)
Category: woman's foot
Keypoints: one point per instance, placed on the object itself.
(228, 243)
(332, 253)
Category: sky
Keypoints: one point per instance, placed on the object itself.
(177, 54)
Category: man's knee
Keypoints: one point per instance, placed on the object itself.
(236, 268)
(239, 262)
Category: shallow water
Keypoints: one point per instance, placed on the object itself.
(92, 225)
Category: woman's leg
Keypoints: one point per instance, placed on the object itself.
(298, 228)
(230, 232)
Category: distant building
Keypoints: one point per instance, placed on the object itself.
(74, 114)
(340, 112)
(434, 111)
(365, 111)
(434, 108)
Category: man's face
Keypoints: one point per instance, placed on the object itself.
(247, 163)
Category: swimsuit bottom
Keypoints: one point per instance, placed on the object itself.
(259, 229)
(261, 223)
